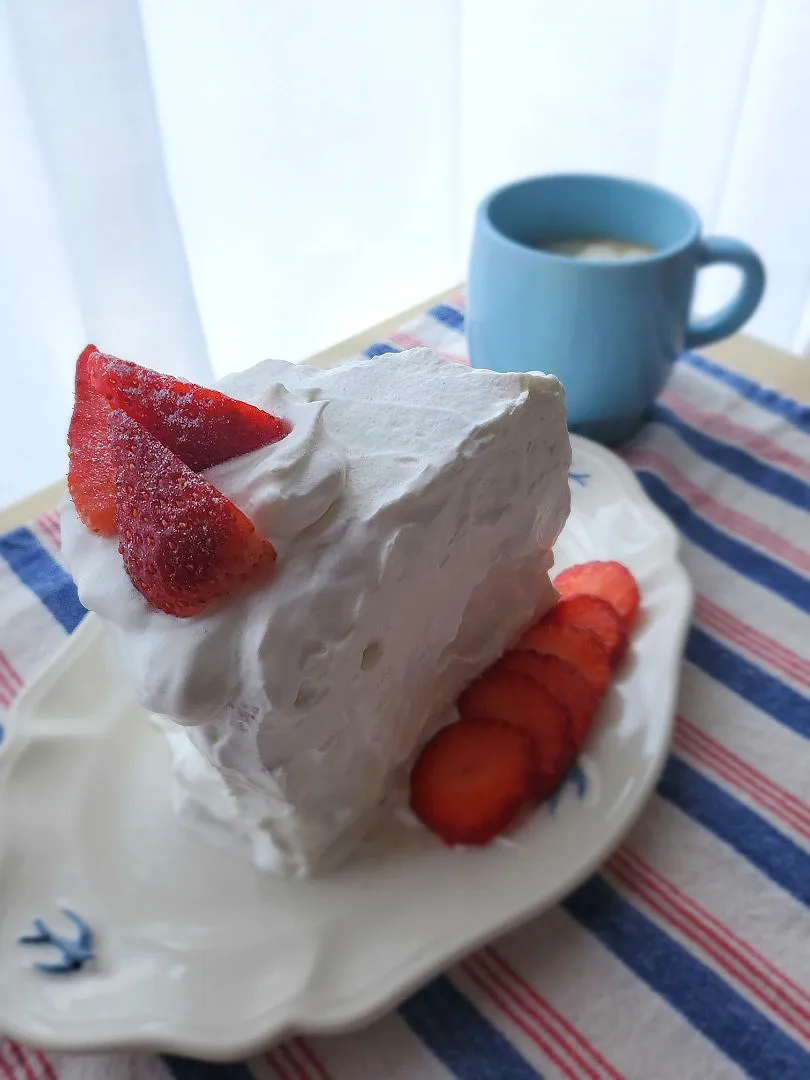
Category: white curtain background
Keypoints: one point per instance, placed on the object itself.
(197, 185)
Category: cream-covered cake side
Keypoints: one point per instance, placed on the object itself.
(413, 508)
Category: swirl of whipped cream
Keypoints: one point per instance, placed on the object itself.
(190, 668)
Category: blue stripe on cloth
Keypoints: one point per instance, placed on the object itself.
(183, 1068)
(752, 564)
(460, 1037)
(448, 316)
(380, 348)
(752, 470)
(43, 575)
(744, 1034)
(758, 687)
(764, 846)
(787, 408)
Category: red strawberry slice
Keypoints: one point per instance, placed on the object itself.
(202, 427)
(578, 646)
(610, 581)
(471, 780)
(91, 461)
(596, 615)
(184, 544)
(518, 699)
(564, 682)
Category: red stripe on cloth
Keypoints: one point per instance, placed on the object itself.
(545, 1014)
(54, 529)
(492, 989)
(298, 1071)
(312, 1059)
(23, 1060)
(721, 427)
(11, 673)
(53, 516)
(6, 1069)
(10, 682)
(691, 741)
(721, 515)
(406, 341)
(49, 525)
(8, 1060)
(751, 640)
(41, 524)
(47, 1069)
(272, 1059)
(762, 980)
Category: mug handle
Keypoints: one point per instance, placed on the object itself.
(722, 249)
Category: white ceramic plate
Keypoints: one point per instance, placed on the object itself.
(198, 953)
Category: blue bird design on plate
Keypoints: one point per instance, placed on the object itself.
(580, 478)
(576, 777)
(76, 952)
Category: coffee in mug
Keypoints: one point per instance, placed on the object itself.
(590, 278)
(595, 248)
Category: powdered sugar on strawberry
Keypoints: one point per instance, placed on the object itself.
(183, 544)
(203, 427)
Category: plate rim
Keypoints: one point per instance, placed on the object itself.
(376, 997)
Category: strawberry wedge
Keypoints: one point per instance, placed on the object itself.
(202, 427)
(91, 462)
(183, 543)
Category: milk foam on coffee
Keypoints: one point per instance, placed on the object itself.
(596, 249)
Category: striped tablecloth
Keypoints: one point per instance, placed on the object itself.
(687, 957)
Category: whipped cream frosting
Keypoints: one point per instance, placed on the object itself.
(413, 508)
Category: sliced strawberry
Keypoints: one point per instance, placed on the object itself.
(578, 646)
(91, 462)
(596, 615)
(471, 780)
(610, 581)
(564, 682)
(518, 699)
(202, 427)
(184, 544)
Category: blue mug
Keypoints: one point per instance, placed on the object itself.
(609, 329)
